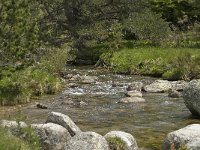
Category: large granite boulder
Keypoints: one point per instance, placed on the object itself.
(51, 136)
(158, 86)
(191, 95)
(87, 141)
(63, 120)
(187, 138)
(121, 140)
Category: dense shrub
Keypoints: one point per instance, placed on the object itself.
(148, 26)
(22, 85)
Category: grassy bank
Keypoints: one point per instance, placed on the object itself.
(168, 63)
(23, 84)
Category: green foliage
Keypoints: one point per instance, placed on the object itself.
(189, 65)
(148, 26)
(116, 143)
(10, 142)
(173, 74)
(55, 60)
(181, 13)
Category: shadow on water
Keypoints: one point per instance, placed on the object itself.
(94, 107)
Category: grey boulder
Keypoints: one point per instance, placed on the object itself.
(191, 96)
(63, 120)
(87, 141)
(51, 136)
(186, 138)
(158, 86)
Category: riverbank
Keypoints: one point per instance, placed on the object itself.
(167, 63)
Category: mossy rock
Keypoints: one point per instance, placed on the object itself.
(116, 143)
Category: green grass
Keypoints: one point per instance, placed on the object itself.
(10, 142)
(155, 61)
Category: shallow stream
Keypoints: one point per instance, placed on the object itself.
(94, 107)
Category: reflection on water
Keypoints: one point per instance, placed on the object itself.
(94, 107)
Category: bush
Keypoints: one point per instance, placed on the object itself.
(148, 26)
(173, 74)
(55, 60)
(21, 86)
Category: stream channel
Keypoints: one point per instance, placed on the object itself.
(95, 107)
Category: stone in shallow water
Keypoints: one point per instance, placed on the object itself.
(158, 86)
(174, 94)
(41, 106)
(135, 86)
(87, 141)
(187, 137)
(128, 140)
(132, 100)
(133, 94)
(179, 85)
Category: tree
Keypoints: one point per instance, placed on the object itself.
(19, 29)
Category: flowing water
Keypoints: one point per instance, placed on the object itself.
(95, 107)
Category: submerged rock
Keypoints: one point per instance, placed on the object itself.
(132, 100)
(191, 96)
(41, 106)
(133, 94)
(63, 120)
(187, 138)
(51, 136)
(87, 141)
(127, 141)
(174, 94)
(84, 79)
(135, 86)
(158, 86)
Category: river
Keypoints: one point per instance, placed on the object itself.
(95, 107)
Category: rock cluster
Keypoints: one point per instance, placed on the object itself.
(61, 133)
